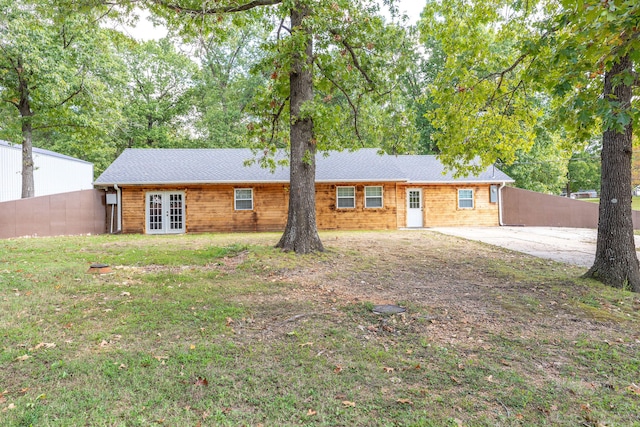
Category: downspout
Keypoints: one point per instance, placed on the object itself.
(119, 203)
(500, 222)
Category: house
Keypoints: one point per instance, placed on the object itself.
(213, 190)
(53, 173)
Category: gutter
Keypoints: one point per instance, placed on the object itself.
(500, 222)
(119, 202)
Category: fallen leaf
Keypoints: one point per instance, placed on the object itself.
(104, 343)
(44, 344)
(11, 406)
(306, 344)
(519, 416)
(125, 294)
(22, 358)
(405, 401)
(348, 404)
(489, 378)
(454, 379)
(311, 412)
(122, 366)
(633, 388)
(338, 369)
(229, 321)
(192, 347)
(201, 381)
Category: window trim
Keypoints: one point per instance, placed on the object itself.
(472, 198)
(352, 197)
(381, 197)
(236, 199)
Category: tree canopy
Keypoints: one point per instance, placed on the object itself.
(508, 61)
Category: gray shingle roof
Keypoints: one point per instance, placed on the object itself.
(227, 165)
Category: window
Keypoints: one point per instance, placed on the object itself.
(465, 199)
(346, 197)
(372, 197)
(244, 199)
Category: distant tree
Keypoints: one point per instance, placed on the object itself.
(584, 170)
(158, 97)
(227, 86)
(54, 67)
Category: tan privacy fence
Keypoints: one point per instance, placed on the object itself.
(77, 212)
(528, 208)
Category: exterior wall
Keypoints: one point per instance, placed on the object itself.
(441, 206)
(330, 217)
(72, 213)
(528, 208)
(211, 208)
(52, 174)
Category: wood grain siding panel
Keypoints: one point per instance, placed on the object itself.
(329, 217)
(210, 208)
(133, 209)
(441, 206)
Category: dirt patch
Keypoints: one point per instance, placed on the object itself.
(468, 292)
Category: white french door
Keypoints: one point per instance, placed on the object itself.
(165, 212)
(414, 208)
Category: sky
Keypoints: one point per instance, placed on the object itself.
(146, 31)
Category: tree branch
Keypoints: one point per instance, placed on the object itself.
(346, 95)
(354, 58)
(274, 122)
(214, 10)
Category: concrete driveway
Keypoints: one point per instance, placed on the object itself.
(569, 245)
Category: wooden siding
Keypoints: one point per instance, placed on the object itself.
(330, 217)
(210, 208)
(441, 206)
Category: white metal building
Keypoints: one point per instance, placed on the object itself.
(53, 172)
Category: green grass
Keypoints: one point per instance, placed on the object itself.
(635, 202)
(283, 340)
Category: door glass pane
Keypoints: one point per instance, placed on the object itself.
(155, 212)
(414, 199)
(175, 211)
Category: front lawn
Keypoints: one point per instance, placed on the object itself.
(224, 330)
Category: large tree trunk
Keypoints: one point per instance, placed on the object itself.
(24, 107)
(301, 233)
(616, 262)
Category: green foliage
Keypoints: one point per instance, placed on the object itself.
(502, 55)
(57, 74)
(158, 96)
(358, 61)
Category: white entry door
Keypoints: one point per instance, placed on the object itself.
(414, 208)
(165, 212)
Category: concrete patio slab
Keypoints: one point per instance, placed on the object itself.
(569, 245)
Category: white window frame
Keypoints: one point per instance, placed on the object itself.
(236, 199)
(460, 199)
(339, 197)
(367, 197)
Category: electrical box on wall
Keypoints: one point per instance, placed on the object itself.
(493, 194)
(112, 199)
